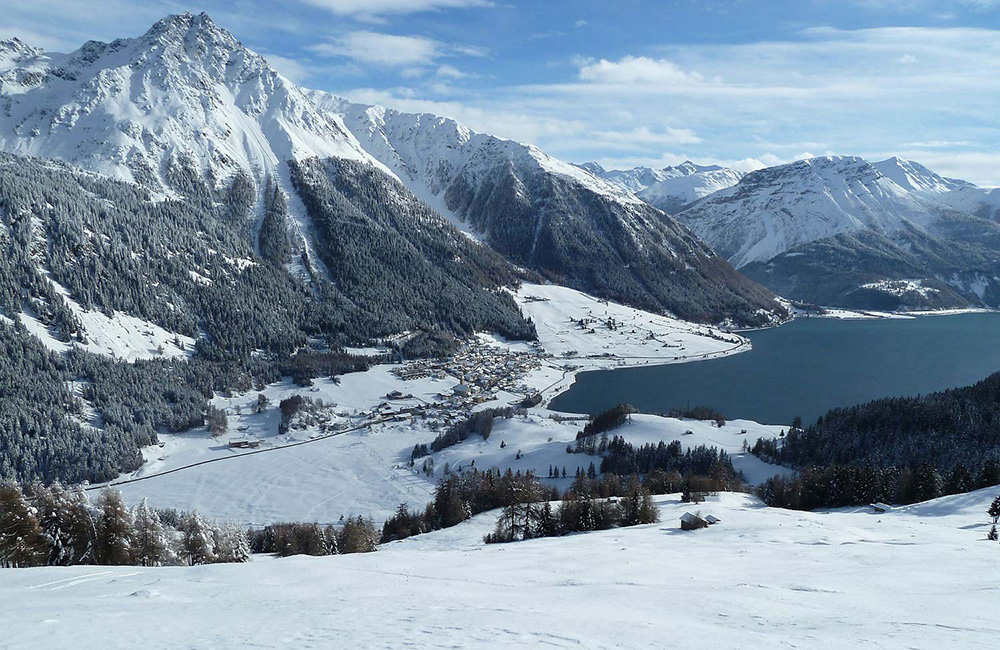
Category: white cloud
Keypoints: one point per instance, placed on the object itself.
(906, 58)
(393, 50)
(369, 9)
(644, 137)
(451, 72)
(382, 49)
(632, 69)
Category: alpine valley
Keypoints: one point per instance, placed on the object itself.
(245, 319)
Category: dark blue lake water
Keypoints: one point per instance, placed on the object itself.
(806, 368)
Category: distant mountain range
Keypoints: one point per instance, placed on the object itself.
(187, 102)
(670, 188)
(841, 231)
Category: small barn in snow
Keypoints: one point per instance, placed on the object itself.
(692, 522)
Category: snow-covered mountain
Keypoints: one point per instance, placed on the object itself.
(775, 209)
(672, 188)
(953, 192)
(551, 216)
(686, 183)
(184, 93)
(854, 225)
(187, 102)
(916, 178)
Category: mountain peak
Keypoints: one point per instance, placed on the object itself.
(186, 92)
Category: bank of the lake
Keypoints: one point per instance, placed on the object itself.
(807, 367)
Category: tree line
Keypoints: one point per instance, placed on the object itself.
(56, 526)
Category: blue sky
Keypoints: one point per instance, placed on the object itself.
(745, 83)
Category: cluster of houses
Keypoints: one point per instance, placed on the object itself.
(482, 371)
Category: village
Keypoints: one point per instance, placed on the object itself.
(487, 374)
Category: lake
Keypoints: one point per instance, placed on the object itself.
(806, 368)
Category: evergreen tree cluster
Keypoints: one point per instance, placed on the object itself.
(54, 526)
(624, 459)
(355, 535)
(480, 423)
(613, 418)
(402, 267)
(848, 485)
(960, 426)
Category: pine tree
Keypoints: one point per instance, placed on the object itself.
(22, 543)
(115, 531)
(989, 475)
(53, 507)
(994, 510)
(198, 546)
(231, 544)
(151, 544)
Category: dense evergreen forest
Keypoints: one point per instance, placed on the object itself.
(202, 266)
(897, 450)
(400, 263)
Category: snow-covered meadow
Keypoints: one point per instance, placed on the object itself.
(916, 577)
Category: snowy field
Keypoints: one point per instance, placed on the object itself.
(366, 472)
(638, 337)
(920, 577)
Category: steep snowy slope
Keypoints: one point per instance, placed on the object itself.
(553, 217)
(955, 193)
(185, 94)
(918, 179)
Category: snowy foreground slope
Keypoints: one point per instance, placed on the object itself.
(365, 470)
(917, 577)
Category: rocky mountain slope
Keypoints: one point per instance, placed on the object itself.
(184, 94)
(553, 217)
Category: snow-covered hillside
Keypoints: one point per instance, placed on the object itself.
(428, 153)
(186, 94)
(919, 577)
